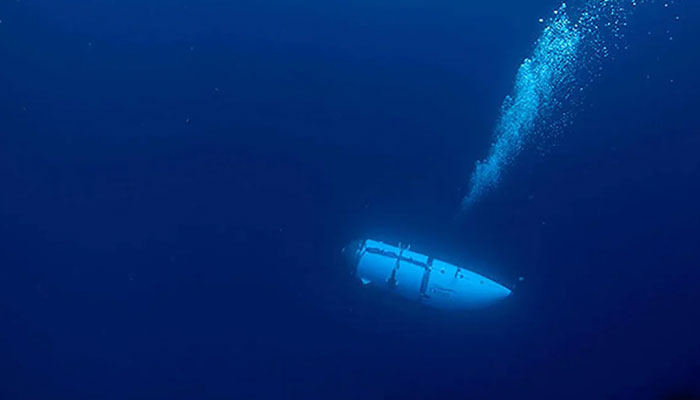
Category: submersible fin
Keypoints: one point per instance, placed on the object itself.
(419, 277)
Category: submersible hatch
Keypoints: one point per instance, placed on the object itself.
(419, 277)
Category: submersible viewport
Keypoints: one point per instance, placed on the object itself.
(419, 277)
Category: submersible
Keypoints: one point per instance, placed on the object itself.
(419, 277)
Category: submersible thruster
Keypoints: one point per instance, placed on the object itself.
(419, 277)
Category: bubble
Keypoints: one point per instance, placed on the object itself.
(565, 60)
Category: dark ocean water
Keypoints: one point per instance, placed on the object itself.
(178, 179)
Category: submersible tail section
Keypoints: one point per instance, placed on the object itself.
(419, 277)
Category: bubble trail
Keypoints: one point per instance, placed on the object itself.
(565, 59)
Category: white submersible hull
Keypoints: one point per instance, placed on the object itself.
(421, 278)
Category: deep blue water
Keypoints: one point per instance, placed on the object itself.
(178, 179)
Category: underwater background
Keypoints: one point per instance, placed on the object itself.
(179, 178)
